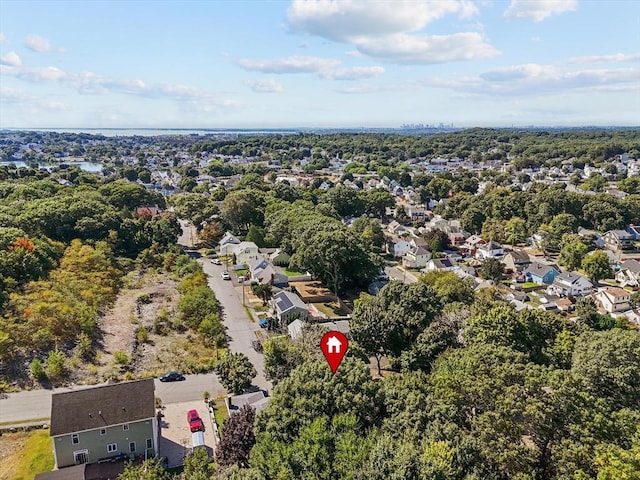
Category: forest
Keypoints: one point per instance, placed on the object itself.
(441, 381)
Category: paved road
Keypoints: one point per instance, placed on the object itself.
(33, 404)
(239, 328)
(396, 273)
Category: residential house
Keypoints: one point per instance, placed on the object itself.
(396, 228)
(635, 231)
(629, 273)
(400, 247)
(618, 239)
(570, 284)
(258, 400)
(288, 306)
(417, 257)
(246, 252)
(296, 327)
(227, 243)
(593, 236)
(472, 243)
(148, 211)
(262, 271)
(489, 250)
(415, 212)
(457, 238)
(614, 299)
(516, 260)
(540, 273)
(441, 265)
(96, 423)
(280, 258)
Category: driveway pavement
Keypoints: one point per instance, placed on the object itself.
(175, 439)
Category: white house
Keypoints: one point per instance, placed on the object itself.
(618, 239)
(400, 248)
(227, 244)
(417, 257)
(629, 274)
(441, 265)
(489, 250)
(246, 252)
(614, 299)
(570, 284)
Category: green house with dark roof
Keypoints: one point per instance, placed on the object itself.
(95, 424)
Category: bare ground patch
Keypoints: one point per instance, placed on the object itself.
(148, 304)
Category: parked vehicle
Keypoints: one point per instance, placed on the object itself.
(195, 422)
(257, 346)
(171, 377)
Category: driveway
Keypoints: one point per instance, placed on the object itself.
(175, 435)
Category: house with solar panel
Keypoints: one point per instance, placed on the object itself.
(288, 306)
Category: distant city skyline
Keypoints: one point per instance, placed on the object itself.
(319, 63)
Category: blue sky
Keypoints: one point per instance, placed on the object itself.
(322, 63)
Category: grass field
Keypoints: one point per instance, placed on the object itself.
(31, 453)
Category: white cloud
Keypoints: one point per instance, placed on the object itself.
(362, 89)
(390, 30)
(40, 44)
(264, 86)
(12, 95)
(89, 83)
(617, 57)
(52, 105)
(356, 73)
(343, 20)
(533, 79)
(11, 59)
(295, 64)
(529, 71)
(538, 10)
(427, 49)
(2, 38)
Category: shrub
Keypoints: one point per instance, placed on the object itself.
(121, 358)
(55, 364)
(143, 299)
(37, 370)
(142, 334)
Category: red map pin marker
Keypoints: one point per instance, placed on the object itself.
(334, 345)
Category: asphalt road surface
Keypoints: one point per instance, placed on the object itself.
(396, 273)
(240, 329)
(36, 404)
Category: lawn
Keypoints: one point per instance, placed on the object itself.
(220, 412)
(36, 456)
(331, 309)
(292, 273)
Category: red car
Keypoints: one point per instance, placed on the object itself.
(195, 422)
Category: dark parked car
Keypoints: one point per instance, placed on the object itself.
(171, 377)
(257, 346)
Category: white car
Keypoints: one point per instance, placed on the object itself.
(215, 261)
(225, 276)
